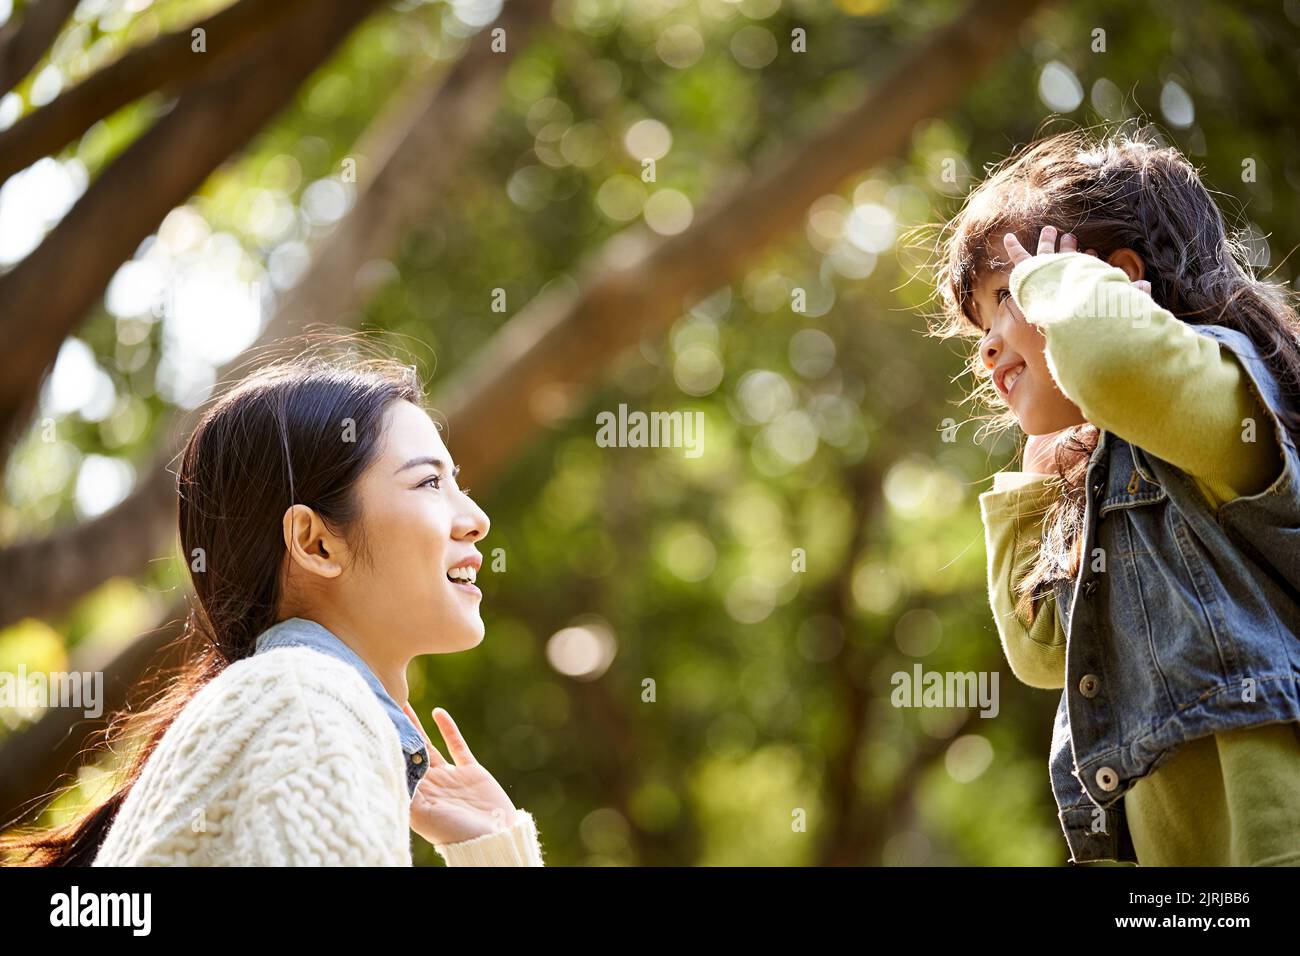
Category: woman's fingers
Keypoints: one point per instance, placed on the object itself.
(1069, 243)
(1144, 285)
(460, 751)
(436, 759)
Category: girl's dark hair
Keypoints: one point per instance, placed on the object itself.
(1122, 190)
(295, 431)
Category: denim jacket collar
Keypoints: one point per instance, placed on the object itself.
(300, 632)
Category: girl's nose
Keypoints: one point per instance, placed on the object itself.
(991, 353)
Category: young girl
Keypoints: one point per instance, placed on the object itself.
(1146, 561)
(328, 544)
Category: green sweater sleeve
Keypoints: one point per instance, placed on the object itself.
(1013, 513)
(1136, 370)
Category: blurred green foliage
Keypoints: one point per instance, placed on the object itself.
(823, 429)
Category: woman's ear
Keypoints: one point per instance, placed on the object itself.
(311, 545)
(1130, 262)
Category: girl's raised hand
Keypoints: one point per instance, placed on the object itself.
(1047, 246)
(454, 802)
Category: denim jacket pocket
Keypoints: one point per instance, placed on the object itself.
(1129, 485)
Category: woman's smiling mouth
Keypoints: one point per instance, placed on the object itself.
(464, 573)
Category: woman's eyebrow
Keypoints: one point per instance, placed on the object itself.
(425, 460)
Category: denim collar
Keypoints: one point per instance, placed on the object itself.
(300, 632)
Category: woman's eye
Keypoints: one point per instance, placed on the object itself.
(1003, 293)
(435, 481)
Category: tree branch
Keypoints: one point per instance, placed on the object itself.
(39, 578)
(42, 300)
(416, 151)
(24, 40)
(414, 155)
(167, 61)
(558, 340)
(637, 285)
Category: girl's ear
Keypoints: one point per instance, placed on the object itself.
(1130, 262)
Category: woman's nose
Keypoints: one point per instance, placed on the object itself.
(472, 523)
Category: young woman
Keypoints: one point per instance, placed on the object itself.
(328, 544)
(1147, 560)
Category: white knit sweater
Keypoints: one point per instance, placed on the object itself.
(286, 758)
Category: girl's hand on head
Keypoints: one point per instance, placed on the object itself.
(459, 801)
(1047, 246)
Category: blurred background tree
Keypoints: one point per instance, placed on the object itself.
(555, 209)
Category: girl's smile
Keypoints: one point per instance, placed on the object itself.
(1006, 375)
(1013, 351)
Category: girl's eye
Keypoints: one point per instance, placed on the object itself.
(433, 478)
(1000, 295)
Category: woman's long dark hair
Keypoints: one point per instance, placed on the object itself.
(1122, 190)
(296, 431)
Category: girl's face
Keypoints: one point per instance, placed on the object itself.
(420, 529)
(1009, 344)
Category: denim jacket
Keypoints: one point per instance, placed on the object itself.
(1181, 622)
(300, 632)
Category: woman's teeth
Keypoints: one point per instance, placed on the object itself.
(465, 575)
(1011, 377)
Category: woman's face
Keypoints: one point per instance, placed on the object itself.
(420, 529)
(1010, 342)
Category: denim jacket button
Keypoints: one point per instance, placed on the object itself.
(1089, 686)
(417, 758)
(1107, 779)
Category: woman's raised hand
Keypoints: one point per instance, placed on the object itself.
(457, 801)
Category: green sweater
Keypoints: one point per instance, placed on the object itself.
(1231, 798)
